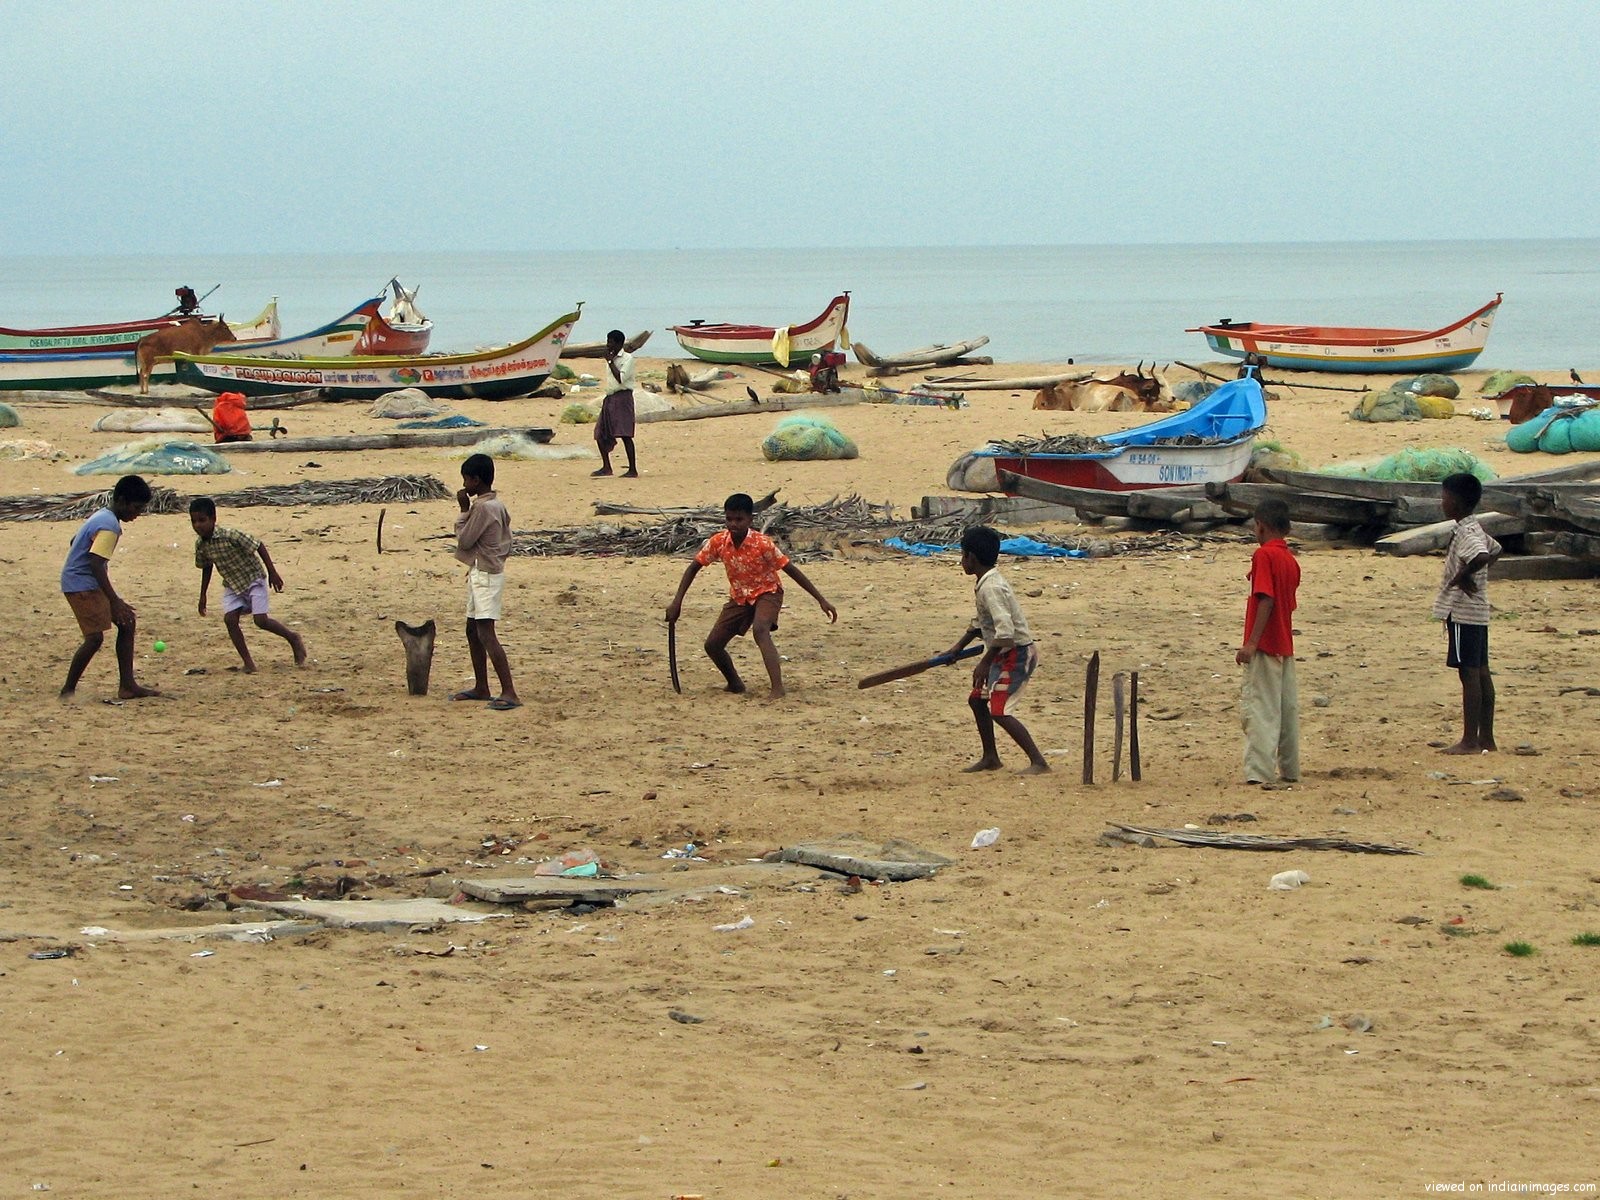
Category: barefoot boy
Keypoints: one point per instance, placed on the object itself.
(1009, 653)
(616, 423)
(755, 597)
(86, 583)
(1463, 605)
(483, 540)
(1270, 700)
(246, 569)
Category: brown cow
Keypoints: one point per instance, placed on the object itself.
(1527, 400)
(192, 336)
(1126, 391)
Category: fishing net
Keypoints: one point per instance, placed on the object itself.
(1557, 431)
(806, 438)
(1387, 406)
(406, 402)
(156, 456)
(22, 448)
(1415, 464)
(145, 420)
(521, 446)
(8, 417)
(1503, 381)
(1430, 385)
(1270, 454)
(578, 414)
(1192, 391)
(453, 421)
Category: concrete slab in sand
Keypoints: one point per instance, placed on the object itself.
(382, 916)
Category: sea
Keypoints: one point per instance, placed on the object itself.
(1095, 304)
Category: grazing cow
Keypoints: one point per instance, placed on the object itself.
(1126, 391)
(192, 336)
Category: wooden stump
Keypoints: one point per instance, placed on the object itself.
(1091, 689)
(1120, 708)
(418, 643)
(1133, 728)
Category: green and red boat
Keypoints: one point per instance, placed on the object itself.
(760, 345)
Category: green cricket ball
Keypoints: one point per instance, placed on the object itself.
(160, 647)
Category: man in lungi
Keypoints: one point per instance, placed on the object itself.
(616, 410)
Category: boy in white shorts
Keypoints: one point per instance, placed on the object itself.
(483, 540)
(246, 569)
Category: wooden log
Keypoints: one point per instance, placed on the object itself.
(939, 352)
(1425, 539)
(418, 643)
(1133, 728)
(976, 360)
(745, 408)
(1013, 510)
(1318, 508)
(1091, 689)
(399, 440)
(1547, 566)
(1026, 383)
(1120, 712)
(1580, 545)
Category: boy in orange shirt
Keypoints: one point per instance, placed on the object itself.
(755, 598)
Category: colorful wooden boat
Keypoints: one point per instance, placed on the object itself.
(1209, 442)
(759, 345)
(124, 335)
(96, 369)
(496, 374)
(404, 330)
(1356, 351)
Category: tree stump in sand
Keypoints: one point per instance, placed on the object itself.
(418, 643)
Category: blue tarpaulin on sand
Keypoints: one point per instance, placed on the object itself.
(453, 421)
(1024, 547)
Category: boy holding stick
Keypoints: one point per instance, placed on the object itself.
(1009, 653)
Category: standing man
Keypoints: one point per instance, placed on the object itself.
(1270, 700)
(616, 410)
(483, 540)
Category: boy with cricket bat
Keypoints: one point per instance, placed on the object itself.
(1009, 653)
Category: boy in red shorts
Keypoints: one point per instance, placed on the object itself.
(755, 598)
(1009, 653)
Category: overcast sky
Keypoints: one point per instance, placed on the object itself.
(380, 125)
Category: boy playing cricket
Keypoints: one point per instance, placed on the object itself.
(86, 583)
(247, 570)
(755, 593)
(1009, 653)
(1463, 605)
(1270, 700)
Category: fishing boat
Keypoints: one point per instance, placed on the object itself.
(496, 374)
(761, 345)
(1356, 351)
(1209, 442)
(402, 330)
(124, 335)
(62, 372)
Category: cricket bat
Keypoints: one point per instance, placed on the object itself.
(916, 668)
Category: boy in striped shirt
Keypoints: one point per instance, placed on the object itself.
(1463, 605)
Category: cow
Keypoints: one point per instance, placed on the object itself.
(193, 335)
(1126, 391)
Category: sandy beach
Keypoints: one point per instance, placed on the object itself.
(1049, 1016)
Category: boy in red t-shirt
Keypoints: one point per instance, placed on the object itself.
(1270, 704)
(755, 598)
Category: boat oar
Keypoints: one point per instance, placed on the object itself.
(1319, 387)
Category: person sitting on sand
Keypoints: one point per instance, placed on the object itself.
(1463, 605)
(86, 583)
(755, 593)
(1009, 653)
(483, 540)
(616, 422)
(247, 570)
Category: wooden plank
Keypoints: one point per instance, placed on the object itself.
(1311, 507)
(1546, 566)
(1016, 510)
(1425, 539)
(1581, 545)
(398, 440)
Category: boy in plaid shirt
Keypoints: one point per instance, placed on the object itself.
(246, 569)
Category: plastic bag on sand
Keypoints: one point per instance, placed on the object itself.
(985, 837)
(805, 438)
(1287, 881)
(156, 456)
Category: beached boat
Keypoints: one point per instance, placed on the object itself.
(403, 330)
(1356, 351)
(97, 369)
(1209, 442)
(496, 374)
(124, 335)
(759, 345)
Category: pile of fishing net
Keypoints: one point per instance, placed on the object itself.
(406, 403)
(156, 456)
(1500, 382)
(152, 420)
(1398, 404)
(1429, 385)
(1269, 454)
(1416, 465)
(8, 417)
(521, 446)
(1559, 429)
(23, 448)
(578, 414)
(1192, 391)
(802, 437)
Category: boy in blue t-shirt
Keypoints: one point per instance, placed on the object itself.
(86, 583)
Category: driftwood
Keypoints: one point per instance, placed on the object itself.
(1091, 696)
(1425, 539)
(598, 349)
(1026, 383)
(939, 354)
(418, 643)
(391, 489)
(383, 441)
(1133, 728)
(1250, 841)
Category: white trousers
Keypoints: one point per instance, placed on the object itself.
(1270, 708)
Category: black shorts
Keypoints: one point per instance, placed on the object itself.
(1467, 646)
